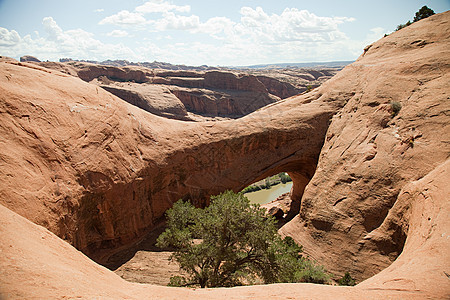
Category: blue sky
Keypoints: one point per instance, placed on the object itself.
(201, 32)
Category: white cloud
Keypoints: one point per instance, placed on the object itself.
(257, 37)
(53, 30)
(291, 25)
(8, 38)
(172, 21)
(159, 6)
(117, 33)
(57, 43)
(217, 25)
(124, 17)
(99, 10)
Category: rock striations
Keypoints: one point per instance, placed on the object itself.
(371, 146)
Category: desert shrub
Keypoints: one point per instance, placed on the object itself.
(232, 242)
(312, 272)
(177, 281)
(251, 188)
(401, 26)
(396, 107)
(346, 280)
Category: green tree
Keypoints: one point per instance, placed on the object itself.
(231, 243)
(423, 13)
(346, 280)
(401, 26)
(284, 177)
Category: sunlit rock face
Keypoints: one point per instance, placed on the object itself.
(354, 214)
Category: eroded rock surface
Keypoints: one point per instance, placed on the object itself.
(204, 93)
(370, 152)
(156, 99)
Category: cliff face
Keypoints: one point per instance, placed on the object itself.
(210, 93)
(371, 151)
(88, 72)
(100, 172)
(155, 99)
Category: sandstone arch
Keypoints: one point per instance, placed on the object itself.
(104, 172)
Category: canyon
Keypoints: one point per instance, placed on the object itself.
(85, 173)
(199, 94)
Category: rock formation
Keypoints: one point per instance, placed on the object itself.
(370, 152)
(211, 93)
(99, 173)
(29, 58)
(156, 99)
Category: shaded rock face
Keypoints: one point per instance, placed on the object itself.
(99, 172)
(279, 88)
(230, 81)
(222, 103)
(207, 103)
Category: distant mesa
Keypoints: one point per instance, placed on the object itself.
(195, 93)
(29, 58)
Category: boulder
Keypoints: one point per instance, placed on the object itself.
(276, 212)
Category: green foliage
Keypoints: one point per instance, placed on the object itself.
(284, 177)
(396, 107)
(401, 26)
(177, 281)
(346, 280)
(232, 243)
(251, 188)
(423, 13)
(268, 183)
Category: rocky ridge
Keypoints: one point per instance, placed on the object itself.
(99, 173)
(211, 93)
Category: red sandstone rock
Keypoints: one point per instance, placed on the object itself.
(276, 212)
(369, 155)
(156, 99)
(100, 172)
(88, 72)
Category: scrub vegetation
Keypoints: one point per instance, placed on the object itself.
(232, 242)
